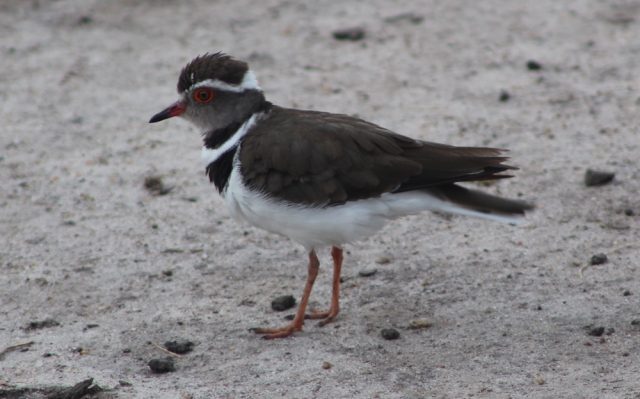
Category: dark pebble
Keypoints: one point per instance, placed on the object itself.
(635, 322)
(352, 34)
(367, 272)
(534, 65)
(85, 20)
(162, 365)
(90, 326)
(626, 293)
(390, 334)
(36, 325)
(179, 346)
(284, 302)
(504, 96)
(155, 185)
(597, 177)
(596, 331)
(629, 212)
(598, 259)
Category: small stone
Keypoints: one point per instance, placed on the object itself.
(420, 324)
(596, 331)
(367, 272)
(167, 273)
(389, 333)
(598, 259)
(406, 16)
(180, 346)
(155, 185)
(36, 325)
(534, 65)
(626, 293)
(85, 20)
(326, 365)
(124, 383)
(597, 177)
(90, 326)
(162, 365)
(539, 380)
(282, 303)
(635, 322)
(504, 96)
(629, 212)
(383, 260)
(351, 34)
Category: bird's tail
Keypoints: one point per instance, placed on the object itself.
(465, 201)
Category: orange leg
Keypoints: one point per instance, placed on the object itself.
(298, 321)
(330, 315)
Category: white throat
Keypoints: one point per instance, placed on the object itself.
(210, 155)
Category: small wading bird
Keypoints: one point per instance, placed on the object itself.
(323, 179)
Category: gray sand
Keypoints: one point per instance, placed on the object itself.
(122, 270)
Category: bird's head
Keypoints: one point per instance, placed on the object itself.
(215, 90)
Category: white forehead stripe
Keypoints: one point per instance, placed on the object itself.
(249, 82)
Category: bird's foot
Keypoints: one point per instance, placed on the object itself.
(273, 333)
(327, 316)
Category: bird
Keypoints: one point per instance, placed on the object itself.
(323, 179)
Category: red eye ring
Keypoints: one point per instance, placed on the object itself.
(202, 95)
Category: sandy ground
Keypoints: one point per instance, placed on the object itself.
(122, 270)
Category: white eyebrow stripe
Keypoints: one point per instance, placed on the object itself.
(249, 82)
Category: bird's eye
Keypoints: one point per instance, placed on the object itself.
(203, 95)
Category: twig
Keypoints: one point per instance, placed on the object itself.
(14, 348)
(166, 350)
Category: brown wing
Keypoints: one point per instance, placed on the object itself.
(327, 159)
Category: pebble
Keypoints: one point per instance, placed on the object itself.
(629, 212)
(598, 259)
(407, 16)
(626, 293)
(179, 346)
(36, 325)
(326, 365)
(383, 260)
(389, 333)
(367, 272)
(504, 96)
(162, 365)
(635, 322)
(597, 177)
(596, 331)
(351, 34)
(534, 65)
(282, 303)
(419, 324)
(155, 185)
